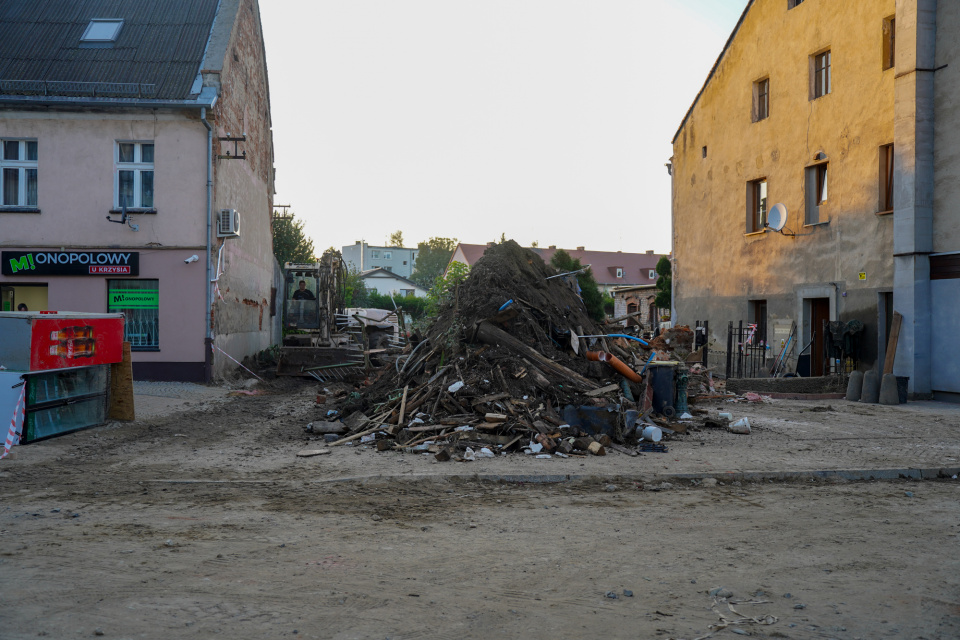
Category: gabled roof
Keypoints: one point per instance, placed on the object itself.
(604, 264)
(713, 70)
(380, 271)
(157, 54)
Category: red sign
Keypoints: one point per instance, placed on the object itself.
(122, 270)
(59, 343)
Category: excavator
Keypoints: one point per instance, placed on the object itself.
(321, 338)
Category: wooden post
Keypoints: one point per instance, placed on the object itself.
(121, 388)
(892, 343)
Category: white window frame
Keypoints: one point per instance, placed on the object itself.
(652, 274)
(388, 255)
(619, 272)
(139, 168)
(374, 254)
(22, 165)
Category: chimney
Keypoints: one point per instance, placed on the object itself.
(553, 246)
(357, 242)
(649, 252)
(579, 248)
(489, 244)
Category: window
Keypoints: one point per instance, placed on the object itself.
(821, 75)
(704, 151)
(756, 205)
(139, 301)
(619, 272)
(101, 31)
(761, 99)
(389, 268)
(758, 316)
(652, 274)
(374, 254)
(889, 43)
(816, 191)
(793, 3)
(134, 175)
(18, 164)
(404, 263)
(388, 255)
(409, 293)
(886, 178)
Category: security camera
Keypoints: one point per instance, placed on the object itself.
(192, 258)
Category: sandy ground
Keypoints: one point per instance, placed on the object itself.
(198, 520)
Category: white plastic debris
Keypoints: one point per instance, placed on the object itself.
(685, 416)
(728, 416)
(368, 438)
(652, 434)
(543, 456)
(465, 427)
(536, 447)
(469, 455)
(561, 455)
(456, 386)
(485, 453)
(741, 426)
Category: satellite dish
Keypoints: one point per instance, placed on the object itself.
(777, 217)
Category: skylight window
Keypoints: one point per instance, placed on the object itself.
(101, 32)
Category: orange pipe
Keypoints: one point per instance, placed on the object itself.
(616, 363)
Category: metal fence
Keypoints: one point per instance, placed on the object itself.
(747, 351)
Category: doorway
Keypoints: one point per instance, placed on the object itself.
(816, 312)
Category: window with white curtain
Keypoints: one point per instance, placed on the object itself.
(18, 173)
(134, 175)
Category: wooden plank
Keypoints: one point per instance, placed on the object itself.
(602, 390)
(403, 404)
(121, 388)
(490, 398)
(892, 343)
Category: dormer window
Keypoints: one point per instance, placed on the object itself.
(619, 272)
(101, 33)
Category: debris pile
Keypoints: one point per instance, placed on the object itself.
(511, 363)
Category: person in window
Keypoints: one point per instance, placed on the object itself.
(302, 293)
(22, 307)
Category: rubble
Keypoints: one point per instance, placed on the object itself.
(512, 363)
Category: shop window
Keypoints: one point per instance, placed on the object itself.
(756, 205)
(886, 178)
(139, 301)
(18, 165)
(761, 100)
(816, 191)
(889, 43)
(134, 176)
(821, 76)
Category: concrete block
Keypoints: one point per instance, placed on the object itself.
(855, 386)
(871, 387)
(888, 390)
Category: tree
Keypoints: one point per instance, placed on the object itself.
(589, 291)
(290, 243)
(664, 284)
(432, 258)
(444, 286)
(395, 239)
(355, 293)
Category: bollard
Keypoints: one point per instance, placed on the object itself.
(871, 387)
(855, 386)
(888, 390)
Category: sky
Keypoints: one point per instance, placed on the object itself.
(547, 121)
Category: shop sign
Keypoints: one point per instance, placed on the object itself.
(118, 299)
(70, 263)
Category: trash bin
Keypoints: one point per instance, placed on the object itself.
(902, 383)
(664, 389)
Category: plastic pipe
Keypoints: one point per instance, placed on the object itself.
(616, 363)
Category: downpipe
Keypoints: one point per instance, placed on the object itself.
(208, 306)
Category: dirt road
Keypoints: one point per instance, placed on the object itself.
(204, 523)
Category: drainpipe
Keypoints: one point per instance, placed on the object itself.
(207, 319)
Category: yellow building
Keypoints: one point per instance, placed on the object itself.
(828, 110)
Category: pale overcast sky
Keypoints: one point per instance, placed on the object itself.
(546, 120)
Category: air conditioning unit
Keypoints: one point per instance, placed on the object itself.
(228, 224)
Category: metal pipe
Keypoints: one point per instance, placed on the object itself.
(208, 304)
